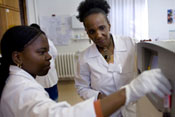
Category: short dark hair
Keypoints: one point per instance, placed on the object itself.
(88, 7)
(35, 26)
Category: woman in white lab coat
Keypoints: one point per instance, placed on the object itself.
(25, 55)
(50, 80)
(109, 63)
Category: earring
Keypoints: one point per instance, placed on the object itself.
(19, 65)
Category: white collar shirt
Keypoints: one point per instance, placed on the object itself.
(23, 97)
(96, 75)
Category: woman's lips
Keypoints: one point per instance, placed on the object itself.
(101, 41)
(48, 66)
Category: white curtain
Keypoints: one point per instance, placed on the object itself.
(129, 18)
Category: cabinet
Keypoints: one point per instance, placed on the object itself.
(11, 3)
(12, 18)
(9, 15)
(3, 26)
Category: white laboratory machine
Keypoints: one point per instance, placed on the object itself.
(159, 54)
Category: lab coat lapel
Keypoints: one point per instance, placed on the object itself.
(119, 44)
(14, 70)
(119, 48)
(96, 56)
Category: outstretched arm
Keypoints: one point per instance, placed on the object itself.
(152, 81)
(113, 102)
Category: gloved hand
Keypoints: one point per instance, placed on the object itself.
(152, 81)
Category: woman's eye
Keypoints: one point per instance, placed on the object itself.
(102, 27)
(41, 52)
(91, 31)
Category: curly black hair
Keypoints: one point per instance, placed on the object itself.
(88, 7)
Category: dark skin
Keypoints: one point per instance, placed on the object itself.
(113, 102)
(98, 30)
(35, 58)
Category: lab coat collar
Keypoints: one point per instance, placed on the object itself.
(119, 44)
(93, 51)
(14, 70)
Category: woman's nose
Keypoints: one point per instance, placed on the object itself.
(98, 34)
(48, 56)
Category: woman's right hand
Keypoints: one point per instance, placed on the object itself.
(151, 81)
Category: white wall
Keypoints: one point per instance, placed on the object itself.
(31, 11)
(38, 8)
(157, 18)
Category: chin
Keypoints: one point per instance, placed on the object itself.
(43, 73)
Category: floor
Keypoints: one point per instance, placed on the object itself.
(146, 109)
(67, 92)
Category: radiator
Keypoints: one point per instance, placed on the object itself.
(66, 65)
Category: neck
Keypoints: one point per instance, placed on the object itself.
(109, 45)
(107, 51)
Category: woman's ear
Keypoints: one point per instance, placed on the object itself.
(16, 57)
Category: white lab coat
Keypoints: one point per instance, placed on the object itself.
(51, 78)
(23, 97)
(96, 75)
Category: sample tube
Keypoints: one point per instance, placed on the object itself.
(167, 106)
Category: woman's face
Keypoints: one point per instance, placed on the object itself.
(35, 57)
(98, 29)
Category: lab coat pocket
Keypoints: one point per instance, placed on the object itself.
(102, 80)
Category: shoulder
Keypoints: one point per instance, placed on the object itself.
(53, 50)
(50, 42)
(21, 82)
(85, 53)
(23, 87)
(126, 39)
(19, 79)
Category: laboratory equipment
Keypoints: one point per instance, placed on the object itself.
(159, 54)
